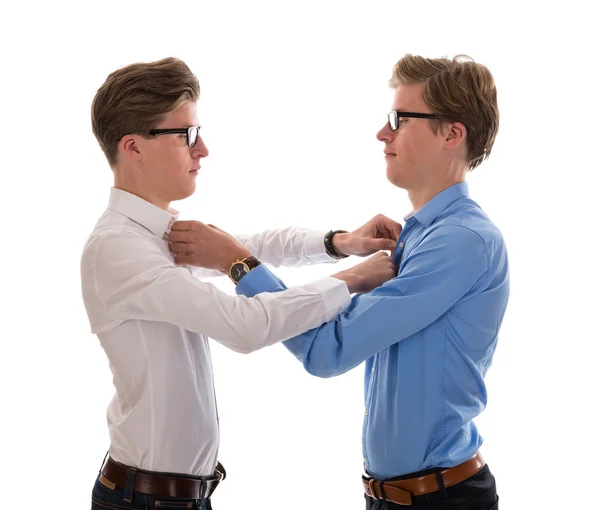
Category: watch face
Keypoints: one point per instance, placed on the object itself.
(238, 271)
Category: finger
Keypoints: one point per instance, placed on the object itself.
(388, 227)
(379, 244)
(387, 244)
(180, 247)
(179, 236)
(183, 259)
(185, 225)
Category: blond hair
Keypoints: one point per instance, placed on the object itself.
(137, 97)
(457, 90)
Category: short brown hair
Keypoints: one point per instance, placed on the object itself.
(457, 90)
(137, 97)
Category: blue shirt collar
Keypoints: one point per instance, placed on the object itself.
(439, 203)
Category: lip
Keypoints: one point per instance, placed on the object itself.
(389, 153)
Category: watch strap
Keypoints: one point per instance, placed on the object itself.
(329, 248)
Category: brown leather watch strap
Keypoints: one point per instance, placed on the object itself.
(252, 262)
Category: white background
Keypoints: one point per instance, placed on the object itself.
(292, 96)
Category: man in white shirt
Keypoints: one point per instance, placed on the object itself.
(153, 315)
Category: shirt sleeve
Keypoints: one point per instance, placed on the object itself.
(290, 247)
(131, 278)
(434, 277)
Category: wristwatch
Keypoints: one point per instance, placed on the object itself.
(328, 242)
(241, 268)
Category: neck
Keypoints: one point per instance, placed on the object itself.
(135, 188)
(420, 196)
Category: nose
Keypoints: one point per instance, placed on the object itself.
(385, 134)
(199, 150)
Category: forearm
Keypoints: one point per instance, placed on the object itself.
(334, 357)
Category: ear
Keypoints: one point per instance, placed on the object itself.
(455, 134)
(129, 147)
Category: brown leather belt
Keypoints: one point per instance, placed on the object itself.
(401, 492)
(163, 485)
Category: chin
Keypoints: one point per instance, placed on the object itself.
(183, 194)
(395, 178)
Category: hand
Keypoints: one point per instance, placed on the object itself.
(380, 233)
(370, 274)
(198, 244)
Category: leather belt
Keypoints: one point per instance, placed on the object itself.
(401, 492)
(163, 485)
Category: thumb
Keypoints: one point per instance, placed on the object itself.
(383, 244)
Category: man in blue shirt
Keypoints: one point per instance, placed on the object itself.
(427, 336)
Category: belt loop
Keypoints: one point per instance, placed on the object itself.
(440, 482)
(203, 485)
(385, 503)
(129, 483)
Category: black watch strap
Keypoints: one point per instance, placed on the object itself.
(328, 241)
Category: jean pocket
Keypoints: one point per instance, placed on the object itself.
(105, 497)
(486, 501)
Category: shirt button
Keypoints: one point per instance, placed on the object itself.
(365, 460)
(400, 244)
(373, 369)
(366, 412)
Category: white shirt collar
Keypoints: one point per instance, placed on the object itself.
(155, 219)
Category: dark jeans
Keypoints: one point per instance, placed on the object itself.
(103, 498)
(475, 493)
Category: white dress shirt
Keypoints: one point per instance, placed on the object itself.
(153, 317)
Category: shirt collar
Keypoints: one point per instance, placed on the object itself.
(439, 203)
(155, 219)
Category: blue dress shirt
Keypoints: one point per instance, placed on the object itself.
(427, 336)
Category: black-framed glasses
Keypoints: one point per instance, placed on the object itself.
(394, 115)
(193, 133)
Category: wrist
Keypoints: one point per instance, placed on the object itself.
(352, 280)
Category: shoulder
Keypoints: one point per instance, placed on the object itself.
(114, 244)
(466, 214)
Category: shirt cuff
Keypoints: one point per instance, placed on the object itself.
(260, 279)
(314, 247)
